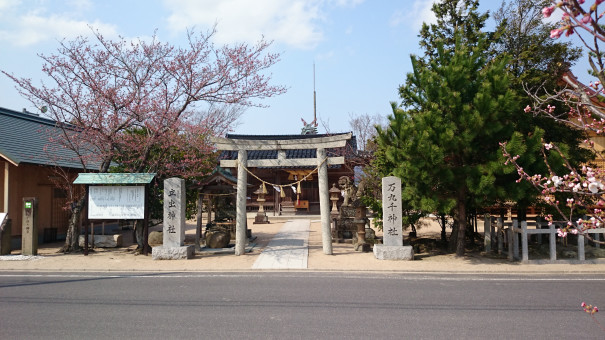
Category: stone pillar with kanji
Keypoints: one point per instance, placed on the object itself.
(29, 229)
(173, 247)
(392, 228)
(391, 211)
(174, 212)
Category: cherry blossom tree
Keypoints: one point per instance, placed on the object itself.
(147, 104)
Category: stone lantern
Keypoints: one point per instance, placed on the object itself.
(334, 193)
(261, 216)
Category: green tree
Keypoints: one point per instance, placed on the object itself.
(536, 60)
(444, 145)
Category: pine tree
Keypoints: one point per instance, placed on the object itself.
(445, 144)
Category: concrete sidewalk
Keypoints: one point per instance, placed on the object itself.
(289, 248)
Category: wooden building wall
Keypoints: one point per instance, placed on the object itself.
(27, 180)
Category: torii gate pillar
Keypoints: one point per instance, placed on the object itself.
(324, 201)
(240, 205)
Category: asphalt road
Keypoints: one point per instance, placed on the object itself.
(297, 305)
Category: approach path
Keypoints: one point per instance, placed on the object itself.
(289, 248)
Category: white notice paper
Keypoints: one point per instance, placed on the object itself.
(116, 202)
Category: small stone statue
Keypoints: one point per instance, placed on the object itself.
(360, 191)
(349, 189)
(352, 201)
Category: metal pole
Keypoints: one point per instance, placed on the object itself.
(85, 224)
(146, 222)
(198, 223)
(314, 97)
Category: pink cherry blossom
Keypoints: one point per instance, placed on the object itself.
(556, 33)
(547, 11)
(561, 233)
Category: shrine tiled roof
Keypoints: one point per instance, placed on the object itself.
(24, 138)
(281, 137)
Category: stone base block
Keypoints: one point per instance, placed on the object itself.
(261, 218)
(172, 253)
(402, 253)
(102, 241)
(362, 247)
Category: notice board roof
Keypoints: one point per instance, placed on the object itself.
(114, 178)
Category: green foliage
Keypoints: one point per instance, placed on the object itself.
(444, 147)
(536, 59)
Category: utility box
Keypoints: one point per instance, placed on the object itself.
(29, 227)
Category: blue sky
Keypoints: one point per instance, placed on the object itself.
(360, 48)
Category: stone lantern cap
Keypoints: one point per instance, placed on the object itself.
(260, 190)
(334, 189)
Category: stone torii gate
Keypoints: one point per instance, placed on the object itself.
(242, 146)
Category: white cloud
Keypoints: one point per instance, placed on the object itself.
(8, 4)
(414, 15)
(347, 3)
(33, 29)
(292, 22)
(80, 5)
(33, 25)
